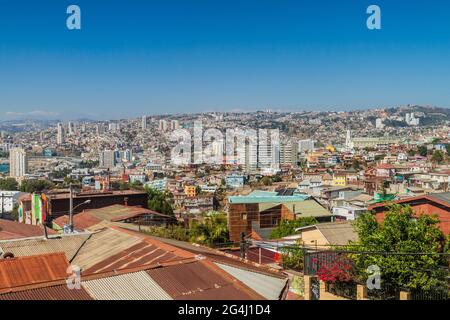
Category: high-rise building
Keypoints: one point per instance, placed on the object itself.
(348, 140)
(18, 163)
(174, 125)
(305, 145)
(289, 153)
(251, 157)
(163, 125)
(100, 129)
(114, 126)
(127, 155)
(260, 151)
(144, 123)
(411, 120)
(379, 123)
(60, 134)
(71, 128)
(107, 159)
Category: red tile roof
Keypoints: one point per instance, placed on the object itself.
(23, 271)
(14, 230)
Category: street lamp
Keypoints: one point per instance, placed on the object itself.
(72, 209)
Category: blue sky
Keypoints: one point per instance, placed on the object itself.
(156, 57)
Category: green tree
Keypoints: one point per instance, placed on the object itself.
(136, 185)
(15, 213)
(266, 181)
(159, 201)
(437, 157)
(287, 227)
(411, 245)
(412, 152)
(293, 257)
(436, 141)
(423, 151)
(277, 178)
(31, 186)
(177, 232)
(8, 184)
(60, 174)
(447, 148)
(211, 231)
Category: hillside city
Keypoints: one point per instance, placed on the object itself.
(317, 205)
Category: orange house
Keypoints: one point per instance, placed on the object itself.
(430, 204)
(190, 191)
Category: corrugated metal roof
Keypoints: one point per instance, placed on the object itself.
(69, 244)
(81, 221)
(139, 254)
(119, 212)
(338, 233)
(102, 245)
(444, 197)
(131, 286)
(308, 208)
(188, 278)
(16, 272)
(227, 292)
(269, 287)
(59, 292)
(15, 230)
(218, 256)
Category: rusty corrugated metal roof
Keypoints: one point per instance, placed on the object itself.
(200, 280)
(130, 286)
(81, 221)
(139, 254)
(220, 256)
(184, 279)
(227, 292)
(59, 292)
(22, 271)
(15, 230)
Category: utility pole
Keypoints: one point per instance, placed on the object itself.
(243, 246)
(3, 206)
(71, 208)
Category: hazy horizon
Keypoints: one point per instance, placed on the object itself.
(178, 56)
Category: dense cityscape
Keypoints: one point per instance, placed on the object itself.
(269, 211)
(224, 159)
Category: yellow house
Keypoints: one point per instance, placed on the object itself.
(190, 191)
(339, 180)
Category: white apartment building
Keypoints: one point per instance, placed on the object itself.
(60, 134)
(18, 163)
